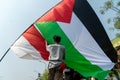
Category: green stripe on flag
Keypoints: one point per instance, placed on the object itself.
(74, 59)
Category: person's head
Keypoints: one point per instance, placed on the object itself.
(118, 50)
(57, 39)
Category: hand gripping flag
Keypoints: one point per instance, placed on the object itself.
(88, 48)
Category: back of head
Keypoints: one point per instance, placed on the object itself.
(57, 39)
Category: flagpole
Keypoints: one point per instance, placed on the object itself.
(4, 55)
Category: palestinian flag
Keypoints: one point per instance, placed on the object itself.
(88, 48)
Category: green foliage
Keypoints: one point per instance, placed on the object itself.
(118, 4)
(107, 5)
(114, 6)
(117, 24)
(110, 5)
(116, 41)
(109, 20)
(118, 35)
(44, 75)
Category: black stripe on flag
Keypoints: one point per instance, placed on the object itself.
(88, 17)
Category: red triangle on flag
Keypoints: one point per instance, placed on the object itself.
(61, 12)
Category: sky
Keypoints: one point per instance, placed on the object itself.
(15, 17)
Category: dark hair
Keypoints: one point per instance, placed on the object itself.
(57, 39)
(117, 48)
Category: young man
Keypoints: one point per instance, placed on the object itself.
(57, 55)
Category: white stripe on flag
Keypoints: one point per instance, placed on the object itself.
(85, 43)
(23, 49)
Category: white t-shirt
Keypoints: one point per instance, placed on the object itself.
(57, 54)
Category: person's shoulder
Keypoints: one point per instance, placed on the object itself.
(62, 46)
(53, 45)
(49, 45)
